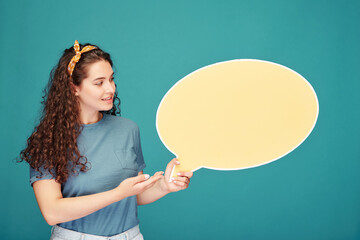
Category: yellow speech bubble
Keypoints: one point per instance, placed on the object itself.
(236, 114)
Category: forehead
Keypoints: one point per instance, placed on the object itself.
(99, 69)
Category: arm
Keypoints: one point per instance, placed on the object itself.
(163, 186)
(57, 209)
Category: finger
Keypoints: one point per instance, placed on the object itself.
(160, 173)
(182, 179)
(150, 181)
(170, 167)
(140, 178)
(144, 177)
(155, 178)
(185, 174)
(179, 183)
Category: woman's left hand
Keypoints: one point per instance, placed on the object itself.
(180, 182)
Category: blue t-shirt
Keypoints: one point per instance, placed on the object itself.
(113, 150)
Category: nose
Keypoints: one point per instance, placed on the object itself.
(110, 87)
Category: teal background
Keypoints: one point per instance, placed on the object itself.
(312, 193)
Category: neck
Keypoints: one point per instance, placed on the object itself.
(89, 118)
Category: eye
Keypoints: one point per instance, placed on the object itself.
(99, 83)
(112, 79)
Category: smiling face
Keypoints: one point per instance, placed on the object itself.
(96, 91)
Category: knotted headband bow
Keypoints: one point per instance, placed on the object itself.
(77, 56)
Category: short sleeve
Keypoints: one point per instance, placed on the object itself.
(139, 155)
(35, 175)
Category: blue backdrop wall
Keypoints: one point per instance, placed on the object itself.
(312, 193)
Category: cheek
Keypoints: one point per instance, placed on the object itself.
(91, 93)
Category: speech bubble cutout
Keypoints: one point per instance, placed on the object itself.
(235, 115)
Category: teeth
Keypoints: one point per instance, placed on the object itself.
(107, 98)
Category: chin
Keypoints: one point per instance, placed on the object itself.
(107, 109)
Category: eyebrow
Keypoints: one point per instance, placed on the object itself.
(101, 78)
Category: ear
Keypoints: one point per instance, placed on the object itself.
(75, 89)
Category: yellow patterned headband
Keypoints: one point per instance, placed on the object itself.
(76, 58)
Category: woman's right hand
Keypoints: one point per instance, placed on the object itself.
(136, 185)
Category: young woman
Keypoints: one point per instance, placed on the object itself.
(86, 164)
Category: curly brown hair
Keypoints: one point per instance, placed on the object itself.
(52, 146)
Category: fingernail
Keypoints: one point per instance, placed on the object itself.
(174, 181)
(147, 176)
(177, 162)
(171, 179)
(178, 174)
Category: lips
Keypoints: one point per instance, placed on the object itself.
(107, 99)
